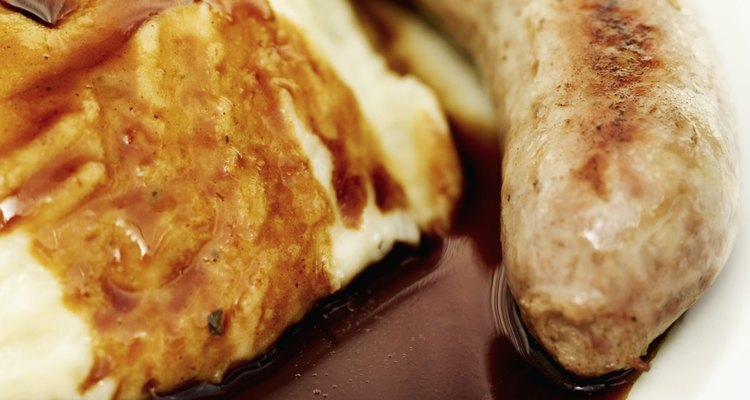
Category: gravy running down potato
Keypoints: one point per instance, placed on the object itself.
(180, 181)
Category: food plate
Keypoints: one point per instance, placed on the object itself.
(707, 354)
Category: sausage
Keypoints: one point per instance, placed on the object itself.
(620, 175)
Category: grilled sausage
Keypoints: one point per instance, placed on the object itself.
(620, 174)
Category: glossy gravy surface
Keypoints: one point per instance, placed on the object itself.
(418, 325)
(156, 167)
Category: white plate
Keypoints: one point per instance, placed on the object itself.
(707, 354)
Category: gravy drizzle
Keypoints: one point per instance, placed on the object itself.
(419, 324)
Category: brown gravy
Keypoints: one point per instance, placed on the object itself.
(177, 207)
(418, 325)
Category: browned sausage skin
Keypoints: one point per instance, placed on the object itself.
(620, 178)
